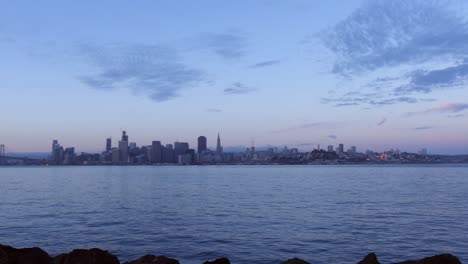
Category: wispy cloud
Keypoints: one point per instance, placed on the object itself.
(373, 99)
(264, 64)
(426, 81)
(306, 125)
(423, 128)
(229, 45)
(334, 137)
(444, 109)
(414, 46)
(239, 88)
(311, 125)
(392, 32)
(152, 70)
(214, 110)
(383, 121)
(456, 116)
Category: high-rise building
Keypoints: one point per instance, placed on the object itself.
(201, 144)
(123, 150)
(219, 148)
(340, 149)
(2, 150)
(180, 148)
(124, 136)
(191, 153)
(330, 148)
(352, 150)
(115, 155)
(168, 154)
(108, 144)
(57, 152)
(157, 152)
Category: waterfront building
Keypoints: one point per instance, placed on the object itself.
(192, 154)
(340, 149)
(144, 154)
(115, 155)
(180, 148)
(57, 152)
(124, 136)
(168, 154)
(123, 150)
(202, 147)
(69, 156)
(219, 148)
(184, 159)
(352, 150)
(157, 152)
(108, 144)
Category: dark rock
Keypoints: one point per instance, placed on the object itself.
(85, 256)
(369, 259)
(3, 256)
(438, 259)
(152, 259)
(10, 255)
(295, 261)
(218, 261)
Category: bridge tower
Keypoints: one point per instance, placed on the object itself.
(2, 150)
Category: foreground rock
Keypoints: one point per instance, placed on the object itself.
(218, 261)
(9, 255)
(369, 259)
(295, 261)
(86, 256)
(438, 259)
(152, 259)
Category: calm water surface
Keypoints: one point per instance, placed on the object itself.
(253, 214)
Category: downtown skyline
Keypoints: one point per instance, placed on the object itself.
(299, 73)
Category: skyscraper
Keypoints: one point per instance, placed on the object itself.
(340, 149)
(157, 152)
(168, 154)
(123, 151)
(201, 144)
(57, 152)
(108, 144)
(124, 136)
(180, 148)
(219, 148)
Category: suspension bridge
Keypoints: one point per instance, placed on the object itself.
(5, 157)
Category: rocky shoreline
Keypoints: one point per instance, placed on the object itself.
(35, 255)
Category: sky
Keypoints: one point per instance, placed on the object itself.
(377, 74)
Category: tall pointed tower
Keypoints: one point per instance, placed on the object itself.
(219, 149)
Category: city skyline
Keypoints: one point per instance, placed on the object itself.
(300, 73)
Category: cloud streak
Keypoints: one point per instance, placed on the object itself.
(422, 128)
(449, 108)
(264, 64)
(214, 110)
(151, 70)
(238, 88)
(383, 121)
(230, 45)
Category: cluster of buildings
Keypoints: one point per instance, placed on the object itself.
(128, 152)
(181, 153)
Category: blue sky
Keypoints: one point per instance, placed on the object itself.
(377, 74)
